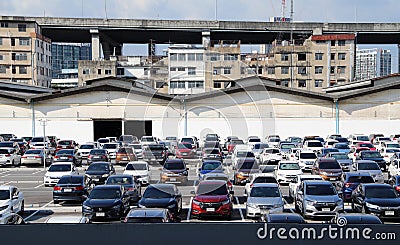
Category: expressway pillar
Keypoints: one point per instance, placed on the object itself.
(206, 39)
(95, 44)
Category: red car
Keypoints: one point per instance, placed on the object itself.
(212, 198)
(366, 144)
(185, 150)
(66, 144)
(233, 143)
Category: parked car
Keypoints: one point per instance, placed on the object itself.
(67, 156)
(349, 182)
(150, 215)
(35, 157)
(356, 219)
(125, 155)
(12, 219)
(367, 144)
(372, 137)
(282, 218)
(212, 198)
(210, 166)
(185, 150)
(11, 200)
(174, 171)
(264, 198)
(371, 167)
(127, 139)
(231, 145)
(84, 151)
(102, 141)
(67, 219)
(270, 156)
(378, 199)
(285, 148)
(155, 153)
(240, 154)
(243, 169)
(10, 153)
(148, 140)
(66, 144)
(162, 196)
(387, 153)
(318, 198)
(306, 159)
(72, 188)
(106, 202)
(112, 149)
(97, 155)
(140, 171)
(99, 172)
(259, 178)
(287, 171)
(56, 171)
(131, 189)
(327, 168)
(219, 176)
(373, 156)
(294, 185)
(294, 139)
(138, 150)
(342, 147)
(212, 154)
(394, 181)
(342, 158)
(273, 141)
(326, 151)
(190, 140)
(313, 145)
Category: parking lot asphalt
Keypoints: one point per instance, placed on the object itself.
(39, 204)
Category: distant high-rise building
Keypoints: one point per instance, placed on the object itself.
(371, 63)
(385, 62)
(65, 58)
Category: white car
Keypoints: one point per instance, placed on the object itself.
(294, 185)
(259, 178)
(313, 145)
(84, 150)
(264, 198)
(11, 200)
(57, 170)
(287, 171)
(138, 150)
(148, 140)
(140, 170)
(67, 219)
(8, 156)
(112, 149)
(306, 159)
(270, 156)
(387, 153)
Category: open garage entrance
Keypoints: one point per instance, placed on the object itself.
(107, 128)
(138, 128)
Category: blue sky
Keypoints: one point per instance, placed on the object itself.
(255, 10)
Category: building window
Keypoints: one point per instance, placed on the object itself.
(24, 41)
(1, 57)
(217, 85)
(227, 70)
(342, 56)
(271, 70)
(191, 57)
(4, 24)
(319, 56)
(320, 42)
(177, 84)
(21, 27)
(285, 70)
(181, 69)
(19, 56)
(191, 71)
(14, 70)
(341, 69)
(173, 57)
(12, 41)
(195, 84)
(107, 72)
(120, 71)
(159, 84)
(86, 71)
(318, 69)
(181, 57)
(284, 57)
(302, 56)
(214, 57)
(318, 83)
(341, 43)
(199, 57)
(302, 83)
(1, 41)
(23, 70)
(332, 56)
(98, 71)
(3, 69)
(302, 70)
(173, 69)
(285, 83)
(333, 42)
(230, 57)
(216, 71)
(332, 70)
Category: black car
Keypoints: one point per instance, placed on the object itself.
(282, 218)
(129, 184)
(395, 182)
(155, 153)
(379, 199)
(100, 171)
(150, 215)
(355, 219)
(68, 155)
(97, 155)
(72, 188)
(349, 181)
(373, 156)
(162, 196)
(106, 202)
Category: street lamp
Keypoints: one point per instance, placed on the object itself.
(43, 123)
(183, 101)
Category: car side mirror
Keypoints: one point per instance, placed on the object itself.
(231, 193)
(85, 197)
(300, 192)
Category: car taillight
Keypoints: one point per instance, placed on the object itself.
(130, 189)
(355, 154)
(38, 157)
(386, 156)
(397, 188)
(347, 185)
(57, 188)
(251, 186)
(69, 156)
(7, 155)
(79, 188)
(56, 156)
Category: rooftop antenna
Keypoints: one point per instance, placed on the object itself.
(105, 8)
(216, 9)
(82, 9)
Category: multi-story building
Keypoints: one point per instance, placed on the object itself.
(65, 56)
(372, 63)
(385, 62)
(25, 54)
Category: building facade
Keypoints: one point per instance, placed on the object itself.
(372, 63)
(25, 54)
(385, 62)
(65, 57)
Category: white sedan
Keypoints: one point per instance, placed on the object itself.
(11, 200)
(287, 171)
(140, 170)
(57, 170)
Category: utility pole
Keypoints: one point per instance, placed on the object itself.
(43, 122)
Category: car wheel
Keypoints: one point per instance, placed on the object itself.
(56, 202)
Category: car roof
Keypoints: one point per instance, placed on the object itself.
(317, 182)
(367, 185)
(62, 163)
(365, 161)
(121, 176)
(98, 163)
(107, 187)
(353, 218)
(146, 212)
(137, 162)
(348, 174)
(5, 187)
(326, 159)
(64, 219)
(265, 185)
(285, 218)
(212, 182)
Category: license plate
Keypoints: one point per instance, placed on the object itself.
(326, 209)
(100, 214)
(172, 179)
(95, 179)
(67, 190)
(96, 157)
(64, 158)
(124, 158)
(210, 209)
(391, 213)
(31, 157)
(184, 154)
(332, 178)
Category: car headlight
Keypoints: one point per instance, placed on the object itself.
(3, 207)
(87, 207)
(104, 175)
(141, 205)
(372, 206)
(185, 173)
(252, 205)
(339, 202)
(116, 207)
(281, 174)
(172, 205)
(278, 205)
(227, 201)
(324, 173)
(196, 202)
(311, 203)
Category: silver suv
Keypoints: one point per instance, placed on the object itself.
(318, 198)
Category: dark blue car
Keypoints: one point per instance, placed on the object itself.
(373, 156)
(349, 182)
(209, 166)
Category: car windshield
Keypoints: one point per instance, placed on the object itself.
(145, 220)
(368, 166)
(7, 144)
(147, 139)
(362, 138)
(60, 168)
(341, 139)
(237, 142)
(65, 152)
(36, 152)
(212, 190)
(211, 165)
(156, 147)
(314, 144)
(340, 156)
(71, 180)
(287, 146)
(247, 165)
(392, 145)
(371, 155)
(103, 140)
(4, 151)
(136, 166)
(119, 181)
(64, 142)
(272, 151)
(295, 140)
(342, 146)
(211, 138)
(320, 190)
(86, 147)
(365, 145)
(4, 194)
(289, 166)
(98, 167)
(327, 150)
(126, 138)
(136, 147)
(384, 139)
(211, 151)
(105, 193)
(265, 179)
(170, 138)
(329, 165)
(265, 192)
(308, 156)
(188, 140)
(174, 165)
(245, 154)
(380, 192)
(184, 146)
(98, 152)
(37, 139)
(393, 150)
(155, 192)
(360, 179)
(274, 140)
(260, 146)
(110, 146)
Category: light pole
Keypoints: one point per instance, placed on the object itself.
(185, 116)
(43, 123)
